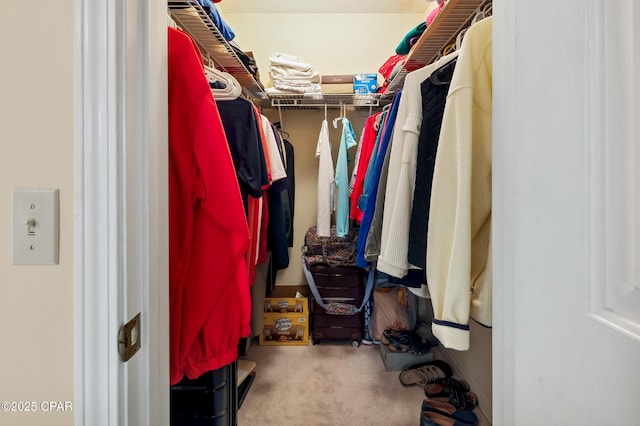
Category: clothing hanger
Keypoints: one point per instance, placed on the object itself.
(488, 9)
(232, 89)
(459, 38)
(335, 120)
(325, 112)
(213, 74)
(478, 16)
(448, 49)
(435, 75)
(283, 134)
(280, 115)
(378, 122)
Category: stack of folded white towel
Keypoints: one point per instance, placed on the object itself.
(290, 74)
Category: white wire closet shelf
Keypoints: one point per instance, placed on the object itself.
(320, 100)
(455, 16)
(192, 18)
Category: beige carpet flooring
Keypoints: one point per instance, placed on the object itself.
(326, 384)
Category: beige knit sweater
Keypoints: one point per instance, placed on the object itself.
(459, 233)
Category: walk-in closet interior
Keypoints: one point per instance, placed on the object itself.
(364, 124)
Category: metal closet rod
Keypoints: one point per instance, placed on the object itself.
(309, 103)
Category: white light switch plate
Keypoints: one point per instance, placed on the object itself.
(36, 226)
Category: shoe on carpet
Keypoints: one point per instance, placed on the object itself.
(429, 418)
(425, 373)
(454, 391)
(448, 410)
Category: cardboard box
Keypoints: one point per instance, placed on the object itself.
(365, 83)
(337, 79)
(337, 83)
(285, 290)
(338, 88)
(398, 361)
(286, 322)
(286, 305)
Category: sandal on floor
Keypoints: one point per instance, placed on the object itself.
(448, 410)
(400, 342)
(406, 341)
(424, 373)
(399, 347)
(390, 333)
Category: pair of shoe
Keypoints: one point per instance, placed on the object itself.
(435, 413)
(425, 373)
(404, 341)
(453, 391)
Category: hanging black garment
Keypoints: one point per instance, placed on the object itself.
(290, 192)
(245, 143)
(434, 92)
(277, 228)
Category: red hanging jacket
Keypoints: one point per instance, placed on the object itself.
(210, 303)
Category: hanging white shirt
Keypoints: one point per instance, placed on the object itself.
(277, 166)
(326, 183)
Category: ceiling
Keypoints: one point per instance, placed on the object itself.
(324, 6)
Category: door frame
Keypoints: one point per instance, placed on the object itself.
(101, 392)
(503, 314)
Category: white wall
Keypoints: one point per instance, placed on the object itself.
(303, 127)
(37, 122)
(333, 43)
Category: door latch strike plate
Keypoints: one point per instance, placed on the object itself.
(129, 339)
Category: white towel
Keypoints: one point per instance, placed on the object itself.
(293, 83)
(282, 89)
(289, 61)
(285, 74)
